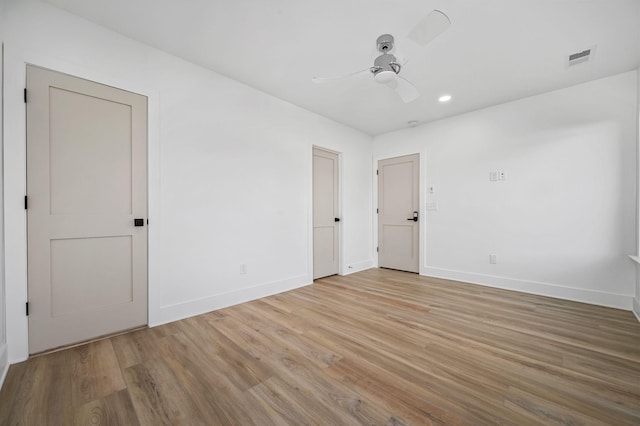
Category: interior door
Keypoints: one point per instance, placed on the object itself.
(86, 183)
(325, 213)
(398, 213)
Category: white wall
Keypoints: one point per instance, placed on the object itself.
(4, 361)
(563, 222)
(229, 172)
(636, 301)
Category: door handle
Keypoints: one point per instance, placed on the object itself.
(336, 219)
(415, 217)
(138, 222)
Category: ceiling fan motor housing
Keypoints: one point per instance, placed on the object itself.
(385, 67)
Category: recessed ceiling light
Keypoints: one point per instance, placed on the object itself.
(444, 98)
(413, 123)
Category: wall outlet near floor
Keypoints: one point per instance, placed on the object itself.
(243, 268)
(493, 259)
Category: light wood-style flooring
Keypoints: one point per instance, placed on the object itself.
(378, 347)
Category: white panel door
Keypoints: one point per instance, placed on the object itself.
(86, 183)
(398, 207)
(325, 213)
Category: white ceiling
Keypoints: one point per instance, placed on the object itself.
(493, 52)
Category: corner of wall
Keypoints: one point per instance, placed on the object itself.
(636, 300)
(4, 352)
(4, 363)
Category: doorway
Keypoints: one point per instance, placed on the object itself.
(326, 218)
(86, 209)
(398, 213)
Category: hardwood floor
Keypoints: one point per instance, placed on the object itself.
(377, 347)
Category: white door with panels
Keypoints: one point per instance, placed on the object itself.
(325, 213)
(86, 209)
(398, 213)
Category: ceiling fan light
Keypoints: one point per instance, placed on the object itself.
(444, 99)
(385, 76)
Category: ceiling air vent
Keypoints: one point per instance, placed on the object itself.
(580, 57)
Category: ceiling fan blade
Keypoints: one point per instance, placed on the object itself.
(319, 80)
(405, 89)
(430, 27)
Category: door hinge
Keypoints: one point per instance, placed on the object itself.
(25, 95)
(377, 210)
(27, 308)
(26, 204)
(377, 249)
(377, 171)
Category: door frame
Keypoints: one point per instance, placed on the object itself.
(340, 210)
(15, 168)
(422, 179)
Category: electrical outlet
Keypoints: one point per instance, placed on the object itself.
(502, 176)
(493, 259)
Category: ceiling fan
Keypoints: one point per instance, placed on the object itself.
(386, 67)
